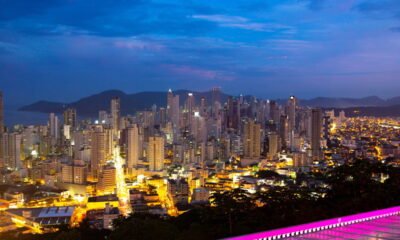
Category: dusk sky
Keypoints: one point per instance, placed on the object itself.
(64, 50)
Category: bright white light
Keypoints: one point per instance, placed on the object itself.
(34, 153)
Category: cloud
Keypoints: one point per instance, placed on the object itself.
(396, 29)
(22, 8)
(242, 23)
(198, 73)
(106, 18)
(314, 4)
(221, 18)
(382, 9)
(138, 44)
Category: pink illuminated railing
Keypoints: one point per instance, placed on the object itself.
(318, 226)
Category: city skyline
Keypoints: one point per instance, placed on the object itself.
(308, 48)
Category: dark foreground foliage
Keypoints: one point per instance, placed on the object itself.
(359, 187)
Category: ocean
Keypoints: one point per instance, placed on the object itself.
(14, 117)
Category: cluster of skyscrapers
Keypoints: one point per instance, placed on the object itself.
(196, 144)
(193, 132)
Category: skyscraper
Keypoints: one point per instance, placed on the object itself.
(11, 150)
(170, 99)
(115, 113)
(274, 111)
(162, 117)
(316, 132)
(100, 147)
(133, 146)
(103, 117)
(2, 151)
(54, 127)
(155, 153)
(283, 130)
(233, 113)
(190, 105)
(74, 172)
(1, 113)
(70, 117)
(291, 112)
(215, 100)
(215, 95)
(107, 181)
(176, 114)
(272, 144)
(252, 142)
(203, 107)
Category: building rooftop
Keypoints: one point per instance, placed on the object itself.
(105, 198)
(46, 215)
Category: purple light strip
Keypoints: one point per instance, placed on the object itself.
(321, 225)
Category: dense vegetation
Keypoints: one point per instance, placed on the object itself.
(358, 187)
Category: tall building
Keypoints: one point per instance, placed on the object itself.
(1, 113)
(74, 173)
(272, 144)
(252, 141)
(203, 107)
(103, 117)
(70, 117)
(274, 111)
(54, 127)
(115, 113)
(233, 113)
(11, 150)
(190, 105)
(170, 96)
(291, 112)
(316, 132)
(133, 146)
(107, 181)
(215, 100)
(101, 148)
(2, 130)
(155, 153)
(215, 95)
(162, 116)
(283, 131)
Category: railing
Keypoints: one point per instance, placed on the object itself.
(318, 226)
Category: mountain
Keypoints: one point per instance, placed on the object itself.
(130, 103)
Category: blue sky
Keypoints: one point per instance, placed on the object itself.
(62, 50)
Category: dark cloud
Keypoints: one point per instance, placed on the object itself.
(396, 29)
(314, 4)
(380, 8)
(21, 8)
(107, 18)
